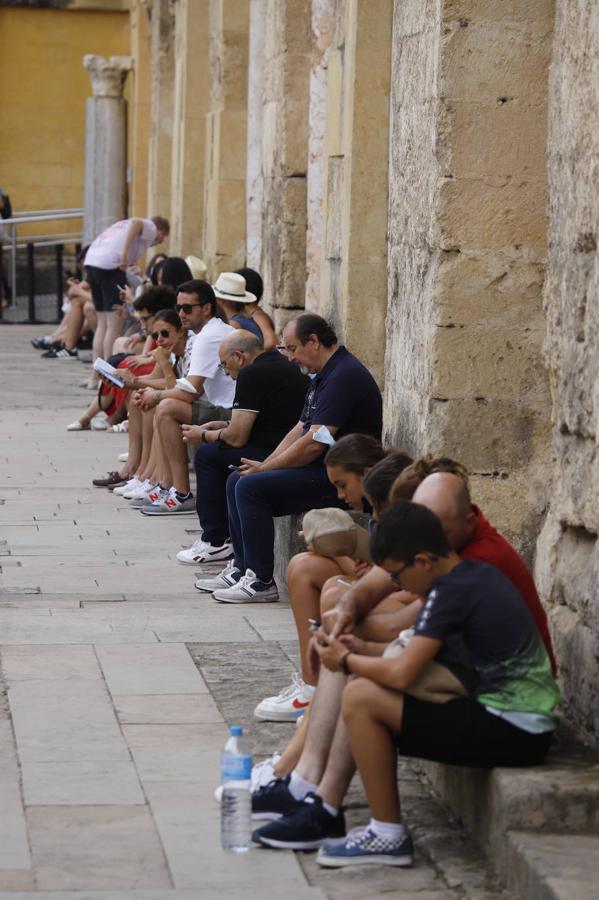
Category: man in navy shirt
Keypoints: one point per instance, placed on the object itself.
(343, 399)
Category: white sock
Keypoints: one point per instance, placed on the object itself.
(330, 809)
(393, 831)
(299, 787)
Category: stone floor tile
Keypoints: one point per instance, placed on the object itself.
(96, 847)
(16, 880)
(81, 782)
(14, 847)
(167, 709)
(189, 753)
(49, 662)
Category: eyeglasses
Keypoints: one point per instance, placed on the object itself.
(395, 577)
(162, 333)
(186, 307)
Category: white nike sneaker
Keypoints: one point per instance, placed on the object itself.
(203, 552)
(289, 705)
(138, 491)
(229, 576)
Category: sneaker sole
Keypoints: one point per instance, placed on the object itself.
(205, 559)
(337, 862)
(169, 512)
(266, 817)
(255, 599)
(281, 717)
(292, 845)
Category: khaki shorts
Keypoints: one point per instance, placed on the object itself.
(204, 411)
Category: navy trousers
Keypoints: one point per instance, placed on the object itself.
(212, 463)
(254, 500)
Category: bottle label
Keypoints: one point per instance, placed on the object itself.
(235, 768)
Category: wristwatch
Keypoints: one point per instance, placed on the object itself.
(343, 663)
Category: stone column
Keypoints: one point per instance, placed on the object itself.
(568, 550)
(467, 241)
(254, 181)
(191, 99)
(285, 154)
(226, 137)
(323, 33)
(140, 107)
(105, 143)
(353, 281)
(162, 104)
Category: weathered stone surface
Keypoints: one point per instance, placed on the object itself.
(554, 866)
(568, 560)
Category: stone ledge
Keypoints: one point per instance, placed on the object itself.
(553, 866)
(560, 797)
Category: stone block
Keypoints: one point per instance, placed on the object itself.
(157, 709)
(535, 12)
(158, 669)
(553, 866)
(81, 782)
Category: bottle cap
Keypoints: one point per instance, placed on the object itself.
(236, 730)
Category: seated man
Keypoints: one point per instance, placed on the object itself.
(507, 721)
(269, 396)
(210, 398)
(343, 398)
(325, 767)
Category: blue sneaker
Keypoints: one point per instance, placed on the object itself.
(362, 846)
(273, 800)
(306, 827)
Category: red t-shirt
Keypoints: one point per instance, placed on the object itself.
(488, 546)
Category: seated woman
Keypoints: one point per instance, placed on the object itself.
(509, 718)
(255, 285)
(347, 463)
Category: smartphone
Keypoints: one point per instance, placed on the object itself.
(235, 468)
(313, 624)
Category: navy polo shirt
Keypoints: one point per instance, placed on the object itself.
(344, 394)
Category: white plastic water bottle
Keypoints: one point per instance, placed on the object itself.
(236, 803)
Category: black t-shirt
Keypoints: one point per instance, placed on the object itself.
(275, 389)
(346, 395)
(476, 604)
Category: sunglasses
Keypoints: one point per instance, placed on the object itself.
(162, 333)
(186, 307)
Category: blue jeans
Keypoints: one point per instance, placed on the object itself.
(254, 500)
(212, 463)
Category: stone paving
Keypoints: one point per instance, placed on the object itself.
(118, 682)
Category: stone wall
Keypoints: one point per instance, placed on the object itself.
(467, 240)
(162, 41)
(568, 551)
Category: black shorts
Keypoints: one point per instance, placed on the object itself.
(462, 733)
(105, 286)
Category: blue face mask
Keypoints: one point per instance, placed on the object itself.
(311, 375)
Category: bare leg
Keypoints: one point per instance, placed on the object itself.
(306, 574)
(74, 323)
(370, 713)
(114, 326)
(158, 464)
(169, 416)
(324, 713)
(340, 768)
(147, 435)
(99, 335)
(292, 752)
(135, 440)
(91, 316)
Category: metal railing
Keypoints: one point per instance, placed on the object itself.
(30, 242)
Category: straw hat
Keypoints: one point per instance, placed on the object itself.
(231, 286)
(197, 267)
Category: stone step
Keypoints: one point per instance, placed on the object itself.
(553, 866)
(560, 797)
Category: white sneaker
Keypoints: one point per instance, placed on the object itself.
(201, 551)
(289, 705)
(229, 576)
(132, 483)
(136, 492)
(99, 424)
(262, 774)
(123, 457)
(248, 589)
(77, 426)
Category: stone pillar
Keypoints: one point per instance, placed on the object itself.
(285, 154)
(254, 181)
(353, 288)
(226, 137)
(140, 108)
(323, 33)
(191, 99)
(105, 143)
(467, 241)
(161, 119)
(568, 550)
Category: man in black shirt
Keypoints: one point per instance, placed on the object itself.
(269, 395)
(343, 399)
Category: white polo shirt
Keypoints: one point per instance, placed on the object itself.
(218, 387)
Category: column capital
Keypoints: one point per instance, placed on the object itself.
(107, 73)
